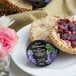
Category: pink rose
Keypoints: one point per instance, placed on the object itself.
(8, 39)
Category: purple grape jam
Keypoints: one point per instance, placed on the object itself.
(39, 3)
(41, 53)
(67, 31)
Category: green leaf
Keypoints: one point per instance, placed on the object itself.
(49, 48)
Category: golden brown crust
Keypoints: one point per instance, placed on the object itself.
(5, 12)
(14, 7)
(59, 43)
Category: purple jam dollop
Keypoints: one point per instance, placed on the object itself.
(67, 31)
(41, 53)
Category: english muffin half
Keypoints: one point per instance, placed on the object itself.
(40, 29)
(63, 35)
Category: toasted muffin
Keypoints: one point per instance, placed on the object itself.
(63, 35)
(40, 29)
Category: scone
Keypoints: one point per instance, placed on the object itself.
(63, 35)
(17, 5)
(40, 29)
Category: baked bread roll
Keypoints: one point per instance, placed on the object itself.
(4, 10)
(40, 29)
(17, 5)
(63, 35)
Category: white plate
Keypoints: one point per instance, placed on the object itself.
(64, 64)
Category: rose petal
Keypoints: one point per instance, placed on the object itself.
(8, 39)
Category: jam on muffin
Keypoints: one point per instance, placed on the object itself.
(63, 35)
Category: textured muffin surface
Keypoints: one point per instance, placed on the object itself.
(40, 29)
(63, 35)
